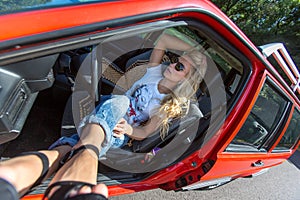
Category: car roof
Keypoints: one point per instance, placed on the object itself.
(51, 18)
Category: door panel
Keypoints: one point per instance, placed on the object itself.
(250, 150)
(233, 165)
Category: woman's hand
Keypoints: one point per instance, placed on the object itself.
(122, 128)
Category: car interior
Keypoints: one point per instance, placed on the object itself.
(72, 81)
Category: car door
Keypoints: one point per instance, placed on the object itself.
(256, 145)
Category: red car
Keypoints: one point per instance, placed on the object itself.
(245, 117)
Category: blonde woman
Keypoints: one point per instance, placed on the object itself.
(160, 95)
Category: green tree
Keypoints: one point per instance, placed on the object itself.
(266, 21)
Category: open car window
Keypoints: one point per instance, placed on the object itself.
(110, 62)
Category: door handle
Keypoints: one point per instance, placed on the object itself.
(258, 163)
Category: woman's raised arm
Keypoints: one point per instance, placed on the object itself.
(164, 42)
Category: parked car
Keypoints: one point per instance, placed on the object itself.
(245, 117)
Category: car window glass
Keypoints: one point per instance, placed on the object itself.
(128, 52)
(291, 136)
(261, 122)
(125, 60)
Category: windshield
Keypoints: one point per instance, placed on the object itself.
(24, 5)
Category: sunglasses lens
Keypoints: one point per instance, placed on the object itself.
(179, 66)
(174, 59)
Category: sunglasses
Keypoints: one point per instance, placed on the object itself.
(179, 67)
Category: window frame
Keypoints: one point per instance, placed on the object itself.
(272, 136)
(274, 150)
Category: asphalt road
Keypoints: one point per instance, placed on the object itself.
(279, 183)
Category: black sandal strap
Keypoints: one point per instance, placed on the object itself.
(73, 152)
(7, 190)
(45, 163)
(64, 189)
(91, 196)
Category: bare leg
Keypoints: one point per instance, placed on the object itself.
(85, 161)
(84, 165)
(23, 171)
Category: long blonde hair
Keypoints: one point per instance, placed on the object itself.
(176, 104)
